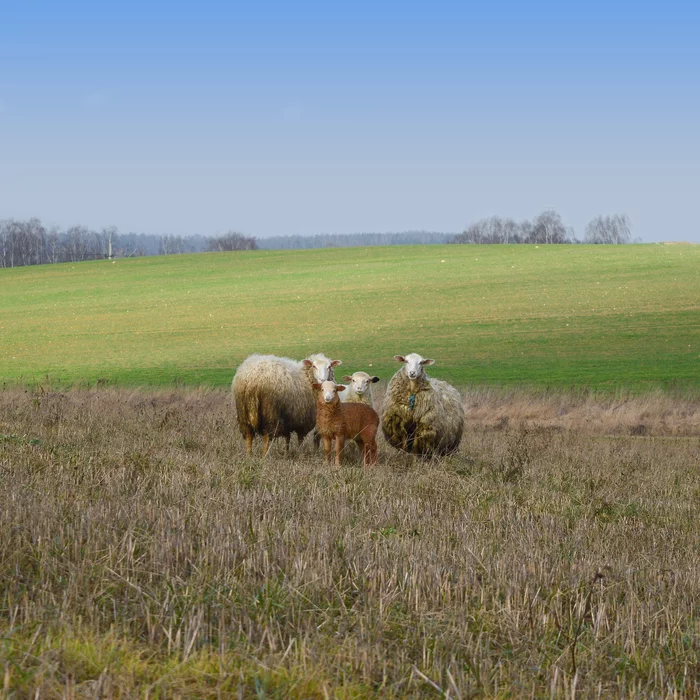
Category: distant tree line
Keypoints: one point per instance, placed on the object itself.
(231, 241)
(352, 240)
(29, 242)
(547, 227)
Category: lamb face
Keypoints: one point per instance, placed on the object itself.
(329, 391)
(414, 364)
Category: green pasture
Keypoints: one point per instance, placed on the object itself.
(604, 317)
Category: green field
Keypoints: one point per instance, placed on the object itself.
(604, 317)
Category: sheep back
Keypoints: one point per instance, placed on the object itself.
(431, 423)
(273, 396)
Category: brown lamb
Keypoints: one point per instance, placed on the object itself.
(343, 421)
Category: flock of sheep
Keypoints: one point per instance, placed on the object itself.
(276, 396)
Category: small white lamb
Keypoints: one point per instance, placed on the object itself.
(359, 389)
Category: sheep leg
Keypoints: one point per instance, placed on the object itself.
(339, 444)
(249, 443)
(266, 445)
(301, 436)
(287, 439)
(327, 443)
(369, 454)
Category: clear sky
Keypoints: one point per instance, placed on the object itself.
(304, 118)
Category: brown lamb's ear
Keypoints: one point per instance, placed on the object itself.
(374, 380)
(339, 387)
(307, 363)
(347, 378)
(427, 363)
(335, 363)
(317, 386)
(399, 358)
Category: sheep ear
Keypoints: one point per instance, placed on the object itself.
(307, 363)
(317, 386)
(427, 363)
(399, 358)
(347, 378)
(374, 380)
(335, 363)
(339, 387)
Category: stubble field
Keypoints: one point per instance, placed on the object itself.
(142, 554)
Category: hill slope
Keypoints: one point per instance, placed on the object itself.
(600, 316)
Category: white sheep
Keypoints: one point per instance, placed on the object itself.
(359, 388)
(274, 396)
(421, 415)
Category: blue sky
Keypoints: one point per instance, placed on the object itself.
(283, 118)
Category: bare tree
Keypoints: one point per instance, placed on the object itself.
(5, 243)
(172, 245)
(609, 229)
(231, 241)
(108, 236)
(23, 242)
(549, 228)
(53, 245)
(35, 237)
(76, 243)
(12, 235)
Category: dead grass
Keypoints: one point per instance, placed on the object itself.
(584, 412)
(141, 553)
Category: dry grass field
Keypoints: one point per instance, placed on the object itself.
(142, 554)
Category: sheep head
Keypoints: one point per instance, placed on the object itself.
(322, 366)
(414, 365)
(360, 381)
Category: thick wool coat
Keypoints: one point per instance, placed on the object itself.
(274, 396)
(424, 417)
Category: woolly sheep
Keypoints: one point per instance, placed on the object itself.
(359, 389)
(421, 415)
(274, 396)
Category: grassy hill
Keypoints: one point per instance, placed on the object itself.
(598, 316)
